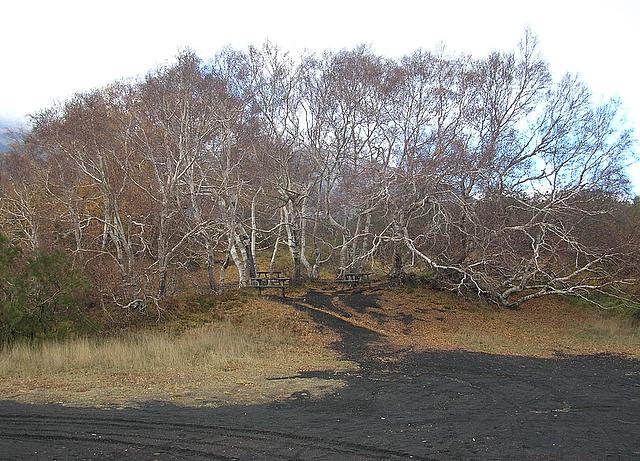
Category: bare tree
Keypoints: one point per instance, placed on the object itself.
(487, 173)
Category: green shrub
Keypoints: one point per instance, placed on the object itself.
(37, 293)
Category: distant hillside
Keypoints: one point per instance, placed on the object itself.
(5, 139)
(10, 132)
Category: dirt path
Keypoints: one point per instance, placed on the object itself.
(429, 405)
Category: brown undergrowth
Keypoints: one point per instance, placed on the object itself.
(420, 318)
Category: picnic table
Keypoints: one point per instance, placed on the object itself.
(267, 274)
(266, 279)
(355, 278)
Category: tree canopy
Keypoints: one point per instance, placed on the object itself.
(489, 175)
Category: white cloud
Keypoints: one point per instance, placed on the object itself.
(52, 49)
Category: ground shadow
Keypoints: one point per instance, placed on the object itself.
(429, 405)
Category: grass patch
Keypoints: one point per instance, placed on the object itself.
(483, 342)
(220, 348)
(612, 331)
(612, 306)
(223, 361)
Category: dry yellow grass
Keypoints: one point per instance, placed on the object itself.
(228, 361)
(222, 347)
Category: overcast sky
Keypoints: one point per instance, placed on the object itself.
(51, 49)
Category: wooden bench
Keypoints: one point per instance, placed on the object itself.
(355, 278)
(265, 281)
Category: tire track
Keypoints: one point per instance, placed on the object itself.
(29, 426)
(112, 441)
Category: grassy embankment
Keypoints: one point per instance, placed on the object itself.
(225, 354)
